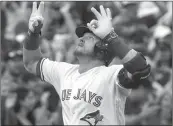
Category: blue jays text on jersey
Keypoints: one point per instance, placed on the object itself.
(85, 95)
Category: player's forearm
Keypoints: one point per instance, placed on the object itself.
(31, 52)
(135, 66)
(119, 48)
(132, 60)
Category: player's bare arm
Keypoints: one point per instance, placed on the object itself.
(135, 65)
(31, 51)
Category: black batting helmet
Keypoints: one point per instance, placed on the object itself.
(99, 47)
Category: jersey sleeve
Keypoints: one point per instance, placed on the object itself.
(114, 71)
(52, 71)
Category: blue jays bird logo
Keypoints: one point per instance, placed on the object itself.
(92, 118)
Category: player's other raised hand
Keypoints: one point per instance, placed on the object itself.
(103, 25)
(36, 18)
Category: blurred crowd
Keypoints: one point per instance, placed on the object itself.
(144, 26)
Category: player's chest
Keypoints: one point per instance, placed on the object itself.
(88, 89)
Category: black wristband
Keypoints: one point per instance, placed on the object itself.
(30, 33)
(111, 36)
(115, 45)
(31, 41)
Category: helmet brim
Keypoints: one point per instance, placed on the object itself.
(81, 30)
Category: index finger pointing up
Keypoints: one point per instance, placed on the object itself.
(41, 8)
(34, 7)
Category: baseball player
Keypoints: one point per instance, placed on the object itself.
(91, 92)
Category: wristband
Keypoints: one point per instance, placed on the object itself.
(111, 36)
(115, 45)
(31, 41)
(30, 33)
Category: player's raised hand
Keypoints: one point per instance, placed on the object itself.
(103, 25)
(36, 18)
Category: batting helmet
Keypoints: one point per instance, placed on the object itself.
(99, 46)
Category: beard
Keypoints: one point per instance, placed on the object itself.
(78, 52)
(81, 52)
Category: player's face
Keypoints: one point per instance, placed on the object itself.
(85, 46)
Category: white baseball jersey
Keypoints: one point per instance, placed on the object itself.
(94, 97)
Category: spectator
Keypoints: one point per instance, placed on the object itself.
(22, 112)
